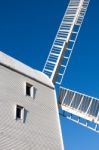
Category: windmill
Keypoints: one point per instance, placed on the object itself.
(75, 106)
(28, 105)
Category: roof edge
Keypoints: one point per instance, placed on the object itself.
(22, 68)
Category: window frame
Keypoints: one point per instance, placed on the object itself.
(30, 86)
(21, 112)
(32, 92)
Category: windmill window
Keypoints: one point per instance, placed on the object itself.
(30, 90)
(19, 112)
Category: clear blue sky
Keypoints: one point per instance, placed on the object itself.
(27, 30)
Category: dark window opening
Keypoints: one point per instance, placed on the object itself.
(19, 112)
(28, 89)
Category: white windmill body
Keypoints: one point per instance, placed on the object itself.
(29, 117)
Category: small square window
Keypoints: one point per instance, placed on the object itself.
(28, 89)
(19, 112)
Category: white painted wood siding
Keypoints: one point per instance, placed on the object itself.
(41, 127)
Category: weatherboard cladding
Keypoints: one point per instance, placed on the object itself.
(24, 69)
(40, 129)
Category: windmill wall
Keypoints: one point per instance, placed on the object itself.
(39, 127)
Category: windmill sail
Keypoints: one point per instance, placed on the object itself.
(65, 40)
(80, 108)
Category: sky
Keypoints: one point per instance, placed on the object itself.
(27, 31)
